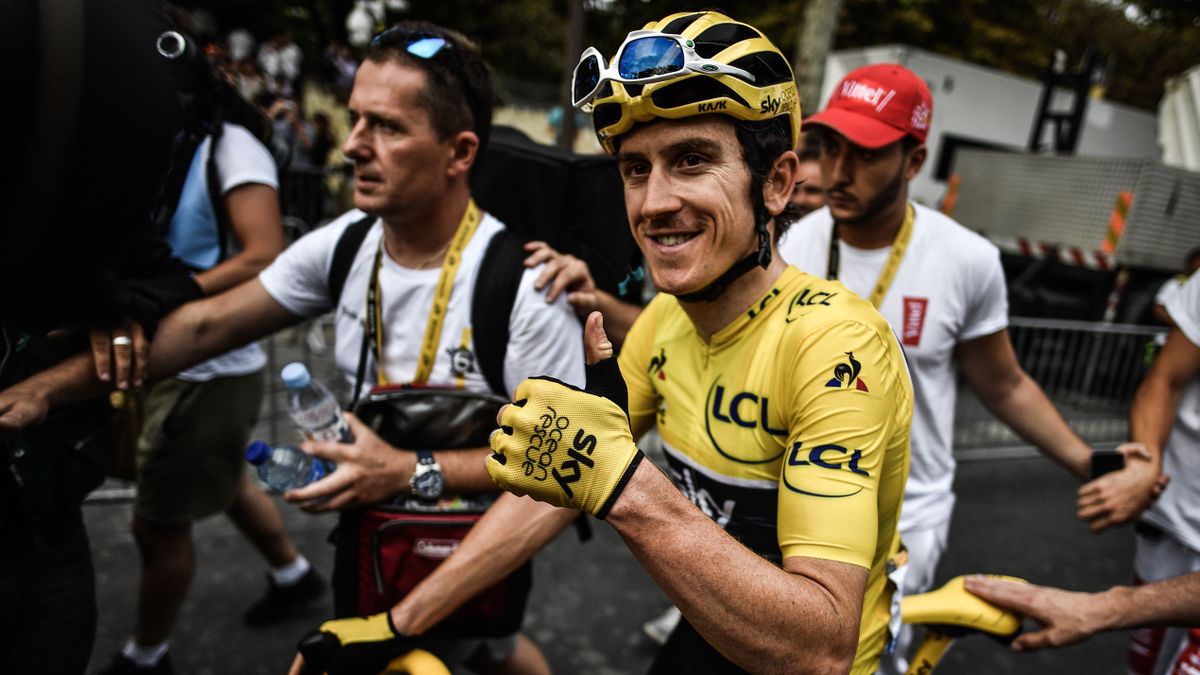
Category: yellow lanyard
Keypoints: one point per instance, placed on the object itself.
(888, 273)
(441, 300)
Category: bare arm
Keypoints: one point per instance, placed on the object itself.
(991, 368)
(205, 328)
(512, 530)
(802, 618)
(1121, 496)
(27, 403)
(1068, 617)
(256, 223)
(1154, 405)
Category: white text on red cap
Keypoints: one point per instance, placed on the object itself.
(876, 96)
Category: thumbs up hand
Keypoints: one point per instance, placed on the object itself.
(567, 446)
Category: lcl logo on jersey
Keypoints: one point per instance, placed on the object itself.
(828, 457)
(845, 375)
(726, 409)
(805, 299)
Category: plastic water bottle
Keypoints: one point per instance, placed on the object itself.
(286, 467)
(313, 408)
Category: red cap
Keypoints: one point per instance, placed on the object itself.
(878, 105)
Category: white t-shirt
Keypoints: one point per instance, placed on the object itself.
(1168, 290)
(1177, 511)
(193, 234)
(948, 289)
(544, 339)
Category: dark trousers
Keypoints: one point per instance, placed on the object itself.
(48, 607)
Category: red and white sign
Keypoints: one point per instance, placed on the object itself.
(914, 320)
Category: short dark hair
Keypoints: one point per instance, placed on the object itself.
(458, 92)
(762, 143)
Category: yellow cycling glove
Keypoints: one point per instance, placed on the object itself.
(349, 646)
(566, 446)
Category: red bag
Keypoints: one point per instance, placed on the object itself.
(384, 550)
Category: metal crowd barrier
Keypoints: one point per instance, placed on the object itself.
(1089, 370)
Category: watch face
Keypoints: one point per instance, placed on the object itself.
(428, 485)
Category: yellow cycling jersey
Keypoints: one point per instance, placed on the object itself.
(789, 427)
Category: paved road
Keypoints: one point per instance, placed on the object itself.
(1015, 515)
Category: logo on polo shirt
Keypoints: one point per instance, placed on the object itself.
(915, 310)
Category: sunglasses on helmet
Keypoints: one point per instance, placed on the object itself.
(645, 56)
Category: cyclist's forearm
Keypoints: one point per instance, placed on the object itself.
(758, 615)
(508, 535)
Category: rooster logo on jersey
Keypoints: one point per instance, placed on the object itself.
(846, 374)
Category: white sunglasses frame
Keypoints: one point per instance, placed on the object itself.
(691, 61)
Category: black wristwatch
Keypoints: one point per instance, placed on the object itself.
(427, 481)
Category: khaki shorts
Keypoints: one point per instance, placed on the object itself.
(190, 452)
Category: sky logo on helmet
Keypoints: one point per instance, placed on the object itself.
(770, 105)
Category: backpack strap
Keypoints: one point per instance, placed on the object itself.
(216, 196)
(343, 255)
(344, 251)
(496, 287)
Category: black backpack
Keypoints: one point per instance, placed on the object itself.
(491, 304)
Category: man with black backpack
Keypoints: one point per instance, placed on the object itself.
(426, 287)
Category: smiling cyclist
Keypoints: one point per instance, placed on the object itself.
(782, 399)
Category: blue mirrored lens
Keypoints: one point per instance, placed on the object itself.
(645, 57)
(425, 48)
(587, 76)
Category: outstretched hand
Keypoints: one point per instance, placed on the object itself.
(20, 408)
(1066, 617)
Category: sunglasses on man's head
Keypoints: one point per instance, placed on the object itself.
(426, 46)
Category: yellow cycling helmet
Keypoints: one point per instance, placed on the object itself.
(691, 63)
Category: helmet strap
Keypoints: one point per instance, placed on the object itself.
(761, 257)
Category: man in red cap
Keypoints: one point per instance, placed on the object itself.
(940, 286)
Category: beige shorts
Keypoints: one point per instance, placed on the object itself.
(190, 452)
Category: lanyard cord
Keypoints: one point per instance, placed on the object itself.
(888, 273)
(373, 335)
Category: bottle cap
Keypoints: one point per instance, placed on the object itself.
(257, 452)
(295, 375)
